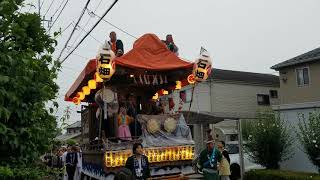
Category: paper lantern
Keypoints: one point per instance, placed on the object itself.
(165, 92)
(178, 85)
(202, 67)
(106, 71)
(153, 126)
(86, 90)
(92, 84)
(105, 64)
(97, 78)
(170, 125)
(80, 96)
(155, 97)
(191, 79)
(76, 100)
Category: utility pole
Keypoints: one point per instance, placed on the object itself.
(39, 6)
(49, 21)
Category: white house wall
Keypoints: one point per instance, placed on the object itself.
(238, 97)
(227, 97)
(299, 161)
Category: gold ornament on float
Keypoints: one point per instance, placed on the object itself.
(153, 126)
(170, 125)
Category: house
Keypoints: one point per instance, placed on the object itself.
(226, 95)
(299, 94)
(73, 132)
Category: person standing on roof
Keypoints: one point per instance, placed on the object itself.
(115, 44)
(171, 45)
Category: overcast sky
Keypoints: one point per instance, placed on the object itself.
(244, 35)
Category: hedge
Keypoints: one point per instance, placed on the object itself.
(28, 173)
(263, 174)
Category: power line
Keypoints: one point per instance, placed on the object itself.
(66, 27)
(42, 4)
(115, 26)
(89, 35)
(49, 7)
(74, 28)
(65, 4)
(111, 6)
(86, 23)
(58, 8)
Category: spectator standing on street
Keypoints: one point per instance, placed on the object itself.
(224, 168)
(79, 164)
(71, 162)
(209, 159)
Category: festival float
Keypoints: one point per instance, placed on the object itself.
(141, 77)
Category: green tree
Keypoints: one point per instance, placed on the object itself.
(27, 74)
(269, 141)
(309, 136)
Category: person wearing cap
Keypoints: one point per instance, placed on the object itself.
(208, 160)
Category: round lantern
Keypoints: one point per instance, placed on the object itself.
(86, 90)
(97, 78)
(76, 100)
(92, 84)
(178, 85)
(105, 64)
(191, 79)
(202, 67)
(106, 70)
(155, 97)
(80, 96)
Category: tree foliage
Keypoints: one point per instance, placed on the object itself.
(27, 74)
(269, 141)
(309, 136)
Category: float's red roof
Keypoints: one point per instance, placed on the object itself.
(78, 83)
(150, 53)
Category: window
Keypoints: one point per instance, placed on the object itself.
(263, 99)
(273, 93)
(303, 78)
(183, 96)
(186, 95)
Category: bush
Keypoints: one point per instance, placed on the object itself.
(269, 141)
(71, 142)
(309, 136)
(279, 175)
(29, 173)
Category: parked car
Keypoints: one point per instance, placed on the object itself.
(234, 154)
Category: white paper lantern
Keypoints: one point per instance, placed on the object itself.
(202, 67)
(105, 64)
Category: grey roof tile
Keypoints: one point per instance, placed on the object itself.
(245, 77)
(313, 55)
